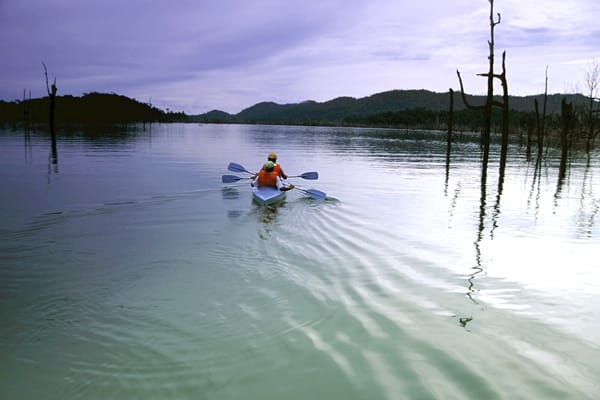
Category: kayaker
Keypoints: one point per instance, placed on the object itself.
(273, 157)
(268, 176)
(278, 169)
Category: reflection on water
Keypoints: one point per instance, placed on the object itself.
(589, 204)
(268, 214)
(134, 272)
(230, 193)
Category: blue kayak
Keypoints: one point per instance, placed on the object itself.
(267, 195)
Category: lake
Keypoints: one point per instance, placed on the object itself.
(128, 270)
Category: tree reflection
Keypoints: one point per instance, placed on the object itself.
(27, 143)
(501, 173)
(478, 268)
(567, 122)
(53, 158)
(536, 187)
(589, 206)
(54, 153)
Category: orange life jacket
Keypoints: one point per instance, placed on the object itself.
(267, 178)
(276, 169)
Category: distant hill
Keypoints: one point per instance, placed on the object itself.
(414, 108)
(89, 108)
(343, 110)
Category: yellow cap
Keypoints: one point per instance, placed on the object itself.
(272, 156)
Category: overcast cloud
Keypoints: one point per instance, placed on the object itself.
(195, 56)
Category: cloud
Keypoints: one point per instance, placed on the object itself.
(195, 56)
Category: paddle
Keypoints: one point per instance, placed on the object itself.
(314, 193)
(235, 167)
(307, 175)
(231, 178)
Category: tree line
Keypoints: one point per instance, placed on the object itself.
(91, 108)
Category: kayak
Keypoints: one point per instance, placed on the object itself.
(267, 195)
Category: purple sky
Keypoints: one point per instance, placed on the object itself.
(198, 55)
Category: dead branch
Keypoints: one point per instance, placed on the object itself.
(464, 96)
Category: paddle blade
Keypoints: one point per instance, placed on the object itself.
(314, 193)
(310, 175)
(230, 178)
(307, 175)
(234, 167)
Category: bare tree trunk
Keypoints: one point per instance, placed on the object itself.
(26, 111)
(450, 127)
(504, 147)
(490, 79)
(485, 138)
(530, 128)
(538, 125)
(450, 121)
(52, 96)
(487, 107)
(592, 81)
(541, 122)
(567, 119)
(543, 137)
(505, 109)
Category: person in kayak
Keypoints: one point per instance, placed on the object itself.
(268, 176)
(278, 169)
(273, 157)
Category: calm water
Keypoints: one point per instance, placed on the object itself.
(129, 271)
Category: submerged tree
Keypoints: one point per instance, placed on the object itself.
(487, 107)
(592, 81)
(450, 127)
(486, 133)
(490, 103)
(52, 97)
(567, 118)
(541, 122)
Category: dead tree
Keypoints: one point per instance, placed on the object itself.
(26, 110)
(487, 107)
(450, 121)
(541, 122)
(592, 81)
(567, 117)
(490, 103)
(487, 113)
(52, 97)
(490, 76)
(530, 129)
(505, 108)
(450, 127)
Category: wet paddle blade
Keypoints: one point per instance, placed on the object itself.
(310, 175)
(314, 193)
(230, 178)
(235, 167)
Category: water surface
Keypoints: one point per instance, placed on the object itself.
(128, 270)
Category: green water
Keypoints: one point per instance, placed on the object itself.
(129, 271)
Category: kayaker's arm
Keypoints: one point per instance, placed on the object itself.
(283, 186)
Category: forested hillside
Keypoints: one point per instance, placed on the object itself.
(89, 108)
(396, 108)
